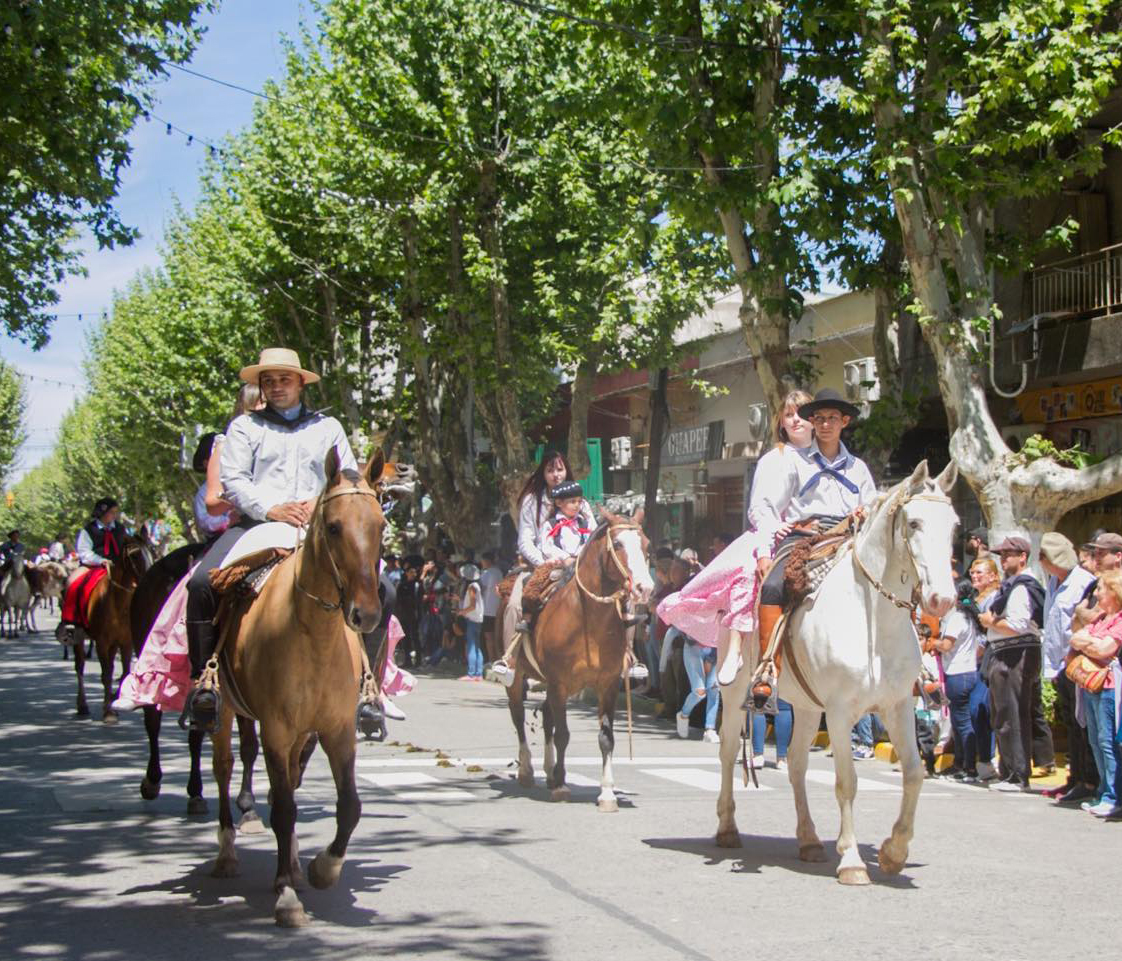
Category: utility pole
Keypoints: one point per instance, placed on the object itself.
(659, 419)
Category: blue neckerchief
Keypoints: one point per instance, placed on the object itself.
(828, 469)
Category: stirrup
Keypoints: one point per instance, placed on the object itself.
(522, 627)
(371, 721)
(761, 703)
(206, 720)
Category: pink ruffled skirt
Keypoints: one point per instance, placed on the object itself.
(723, 595)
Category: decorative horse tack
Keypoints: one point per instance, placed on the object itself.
(625, 590)
(335, 576)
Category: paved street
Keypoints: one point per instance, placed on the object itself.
(453, 860)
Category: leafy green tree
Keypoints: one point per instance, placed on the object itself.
(74, 77)
(13, 413)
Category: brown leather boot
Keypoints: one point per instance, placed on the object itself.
(762, 690)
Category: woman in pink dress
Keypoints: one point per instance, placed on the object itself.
(722, 598)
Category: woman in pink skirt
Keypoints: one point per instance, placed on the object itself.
(722, 598)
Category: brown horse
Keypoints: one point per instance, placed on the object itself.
(109, 628)
(148, 599)
(579, 641)
(293, 661)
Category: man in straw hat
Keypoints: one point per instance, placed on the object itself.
(819, 486)
(272, 469)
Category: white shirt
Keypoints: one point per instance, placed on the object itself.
(1060, 599)
(56, 552)
(87, 557)
(793, 497)
(264, 464)
(489, 580)
(963, 657)
(474, 598)
(1017, 615)
(570, 537)
(529, 529)
(768, 485)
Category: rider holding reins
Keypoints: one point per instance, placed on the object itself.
(819, 487)
(272, 469)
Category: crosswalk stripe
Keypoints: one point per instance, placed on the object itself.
(392, 781)
(698, 778)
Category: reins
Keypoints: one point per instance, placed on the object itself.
(619, 596)
(318, 529)
(884, 592)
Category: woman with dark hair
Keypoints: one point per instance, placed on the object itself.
(533, 507)
(959, 639)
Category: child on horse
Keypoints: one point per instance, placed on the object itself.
(98, 544)
(565, 532)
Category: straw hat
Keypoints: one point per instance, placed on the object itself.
(277, 358)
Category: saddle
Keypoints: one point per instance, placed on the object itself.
(811, 559)
(76, 604)
(543, 584)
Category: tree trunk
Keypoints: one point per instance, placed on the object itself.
(579, 402)
(659, 418)
(1030, 498)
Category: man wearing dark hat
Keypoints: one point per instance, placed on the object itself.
(9, 549)
(1012, 660)
(823, 484)
(272, 469)
(978, 542)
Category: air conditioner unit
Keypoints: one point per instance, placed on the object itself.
(621, 453)
(759, 430)
(1015, 435)
(861, 383)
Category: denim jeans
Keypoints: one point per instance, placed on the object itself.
(701, 666)
(1099, 712)
(960, 688)
(472, 632)
(650, 657)
(863, 731)
(782, 721)
(980, 718)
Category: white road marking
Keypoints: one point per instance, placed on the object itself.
(617, 761)
(390, 781)
(698, 778)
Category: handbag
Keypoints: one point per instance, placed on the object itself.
(1086, 672)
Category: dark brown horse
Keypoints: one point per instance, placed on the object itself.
(579, 641)
(109, 627)
(151, 594)
(294, 661)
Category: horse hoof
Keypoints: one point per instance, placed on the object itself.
(560, 794)
(197, 805)
(888, 864)
(251, 823)
(225, 868)
(729, 839)
(608, 807)
(526, 779)
(109, 718)
(813, 853)
(149, 790)
(324, 870)
(82, 712)
(289, 912)
(854, 876)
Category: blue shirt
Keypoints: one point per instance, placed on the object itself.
(1060, 600)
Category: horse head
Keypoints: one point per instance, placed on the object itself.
(928, 520)
(625, 560)
(135, 559)
(349, 521)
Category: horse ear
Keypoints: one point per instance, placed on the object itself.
(638, 516)
(375, 466)
(919, 477)
(947, 479)
(331, 464)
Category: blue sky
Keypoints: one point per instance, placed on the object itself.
(242, 45)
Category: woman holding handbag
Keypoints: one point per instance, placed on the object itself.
(1092, 665)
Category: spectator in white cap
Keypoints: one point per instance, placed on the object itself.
(1067, 583)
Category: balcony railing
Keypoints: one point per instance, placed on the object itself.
(1086, 285)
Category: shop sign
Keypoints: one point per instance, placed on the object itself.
(691, 445)
(1047, 405)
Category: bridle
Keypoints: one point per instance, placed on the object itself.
(624, 592)
(317, 528)
(127, 551)
(899, 501)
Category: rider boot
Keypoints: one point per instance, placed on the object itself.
(201, 708)
(763, 689)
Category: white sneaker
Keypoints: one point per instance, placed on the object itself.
(1010, 787)
(502, 671)
(757, 762)
(711, 737)
(781, 764)
(391, 710)
(683, 726)
(986, 771)
(638, 672)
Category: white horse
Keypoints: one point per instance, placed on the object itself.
(15, 598)
(856, 647)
